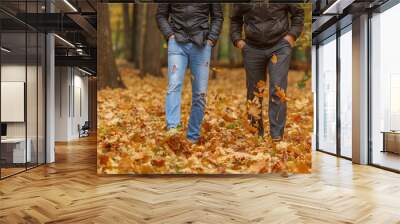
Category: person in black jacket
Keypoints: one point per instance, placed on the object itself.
(191, 31)
(270, 33)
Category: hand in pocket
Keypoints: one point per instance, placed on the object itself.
(290, 39)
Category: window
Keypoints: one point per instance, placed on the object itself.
(346, 95)
(385, 89)
(22, 77)
(327, 95)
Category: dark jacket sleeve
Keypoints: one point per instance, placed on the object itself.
(217, 18)
(236, 23)
(297, 20)
(162, 17)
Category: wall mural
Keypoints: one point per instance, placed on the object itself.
(204, 88)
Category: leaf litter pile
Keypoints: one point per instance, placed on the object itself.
(132, 136)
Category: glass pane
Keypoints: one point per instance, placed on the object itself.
(31, 97)
(23, 87)
(327, 96)
(32, 89)
(346, 94)
(385, 89)
(13, 87)
(41, 99)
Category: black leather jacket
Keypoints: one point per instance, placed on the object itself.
(266, 24)
(190, 22)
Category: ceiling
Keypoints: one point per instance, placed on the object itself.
(74, 22)
(330, 15)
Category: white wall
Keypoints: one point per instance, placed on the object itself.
(16, 73)
(70, 84)
(61, 103)
(80, 102)
(12, 73)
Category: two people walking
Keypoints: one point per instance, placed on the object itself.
(270, 32)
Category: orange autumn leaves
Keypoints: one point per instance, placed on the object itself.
(254, 107)
(274, 59)
(278, 91)
(132, 137)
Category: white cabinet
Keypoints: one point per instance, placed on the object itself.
(16, 147)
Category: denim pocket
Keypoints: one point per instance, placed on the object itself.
(171, 44)
(171, 40)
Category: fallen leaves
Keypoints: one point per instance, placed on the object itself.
(274, 59)
(260, 89)
(249, 127)
(280, 93)
(261, 166)
(254, 108)
(158, 162)
(132, 136)
(260, 85)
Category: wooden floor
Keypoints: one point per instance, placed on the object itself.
(387, 159)
(69, 191)
(5, 172)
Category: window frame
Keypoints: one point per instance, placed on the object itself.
(378, 10)
(339, 31)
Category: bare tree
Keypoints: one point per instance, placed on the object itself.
(133, 33)
(152, 46)
(214, 60)
(228, 12)
(117, 39)
(108, 75)
(127, 31)
(139, 32)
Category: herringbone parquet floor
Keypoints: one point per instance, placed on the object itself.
(69, 191)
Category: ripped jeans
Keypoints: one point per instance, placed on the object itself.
(180, 55)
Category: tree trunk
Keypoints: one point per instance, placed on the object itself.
(107, 74)
(214, 60)
(230, 46)
(133, 33)
(127, 32)
(152, 46)
(140, 26)
(117, 40)
(234, 53)
(308, 62)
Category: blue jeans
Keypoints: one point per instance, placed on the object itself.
(180, 55)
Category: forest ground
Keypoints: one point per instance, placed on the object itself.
(132, 138)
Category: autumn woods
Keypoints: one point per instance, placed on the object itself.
(132, 83)
(127, 38)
